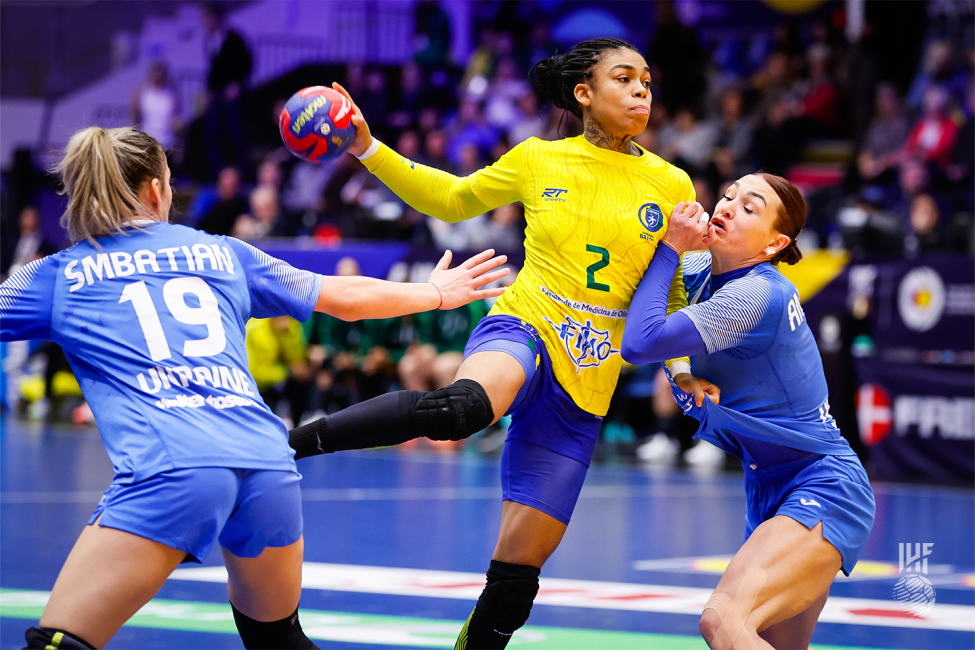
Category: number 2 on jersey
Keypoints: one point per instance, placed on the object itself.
(596, 266)
(174, 293)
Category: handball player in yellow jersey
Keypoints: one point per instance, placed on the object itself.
(597, 206)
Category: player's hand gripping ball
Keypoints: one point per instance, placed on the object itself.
(316, 124)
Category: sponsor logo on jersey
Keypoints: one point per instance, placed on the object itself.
(651, 217)
(587, 346)
(810, 502)
(219, 402)
(554, 194)
(578, 305)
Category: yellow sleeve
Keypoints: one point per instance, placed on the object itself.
(685, 190)
(677, 299)
(445, 196)
(294, 347)
(262, 354)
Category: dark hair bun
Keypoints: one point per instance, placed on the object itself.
(546, 78)
(791, 216)
(790, 254)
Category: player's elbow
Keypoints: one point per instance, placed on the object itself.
(455, 212)
(344, 304)
(633, 349)
(347, 315)
(460, 203)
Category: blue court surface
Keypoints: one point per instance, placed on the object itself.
(397, 543)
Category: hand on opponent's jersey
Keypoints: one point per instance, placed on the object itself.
(688, 229)
(698, 388)
(363, 136)
(462, 285)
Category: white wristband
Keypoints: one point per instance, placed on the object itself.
(678, 367)
(373, 148)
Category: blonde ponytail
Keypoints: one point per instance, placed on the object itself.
(102, 173)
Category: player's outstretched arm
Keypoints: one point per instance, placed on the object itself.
(359, 298)
(426, 189)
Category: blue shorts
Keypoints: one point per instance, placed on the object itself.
(188, 509)
(550, 440)
(831, 489)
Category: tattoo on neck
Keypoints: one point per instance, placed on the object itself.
(595, 134)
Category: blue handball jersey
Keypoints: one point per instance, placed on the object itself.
(152, 323)
(763, 356)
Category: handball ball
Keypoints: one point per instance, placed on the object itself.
(316, 124)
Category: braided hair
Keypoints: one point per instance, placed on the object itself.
(557, 76)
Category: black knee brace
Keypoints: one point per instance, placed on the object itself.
(503, 607)
(510, 591)
(276, 635)
(454, 412)
(48, 637)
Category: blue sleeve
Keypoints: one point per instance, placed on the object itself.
(276, 287)
(26, 299)
(649, 335)
(738, 315)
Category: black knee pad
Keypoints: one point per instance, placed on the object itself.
(49, 637)
(454, 412)
(275, 635)
(509, 594)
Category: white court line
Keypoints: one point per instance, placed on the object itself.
(589, 593)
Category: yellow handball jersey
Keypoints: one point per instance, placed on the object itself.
(594, 217)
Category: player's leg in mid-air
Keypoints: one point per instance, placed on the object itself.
(486, 385)
(506, 369)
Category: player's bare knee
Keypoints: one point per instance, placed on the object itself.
(709, 625)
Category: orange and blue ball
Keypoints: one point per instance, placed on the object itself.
(316, 124)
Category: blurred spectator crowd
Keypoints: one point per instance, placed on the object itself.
(885, 162)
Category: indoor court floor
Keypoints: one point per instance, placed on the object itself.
(396, 544)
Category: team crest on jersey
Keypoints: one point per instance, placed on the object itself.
(554, 194)
(651, 217)
(586, 345)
